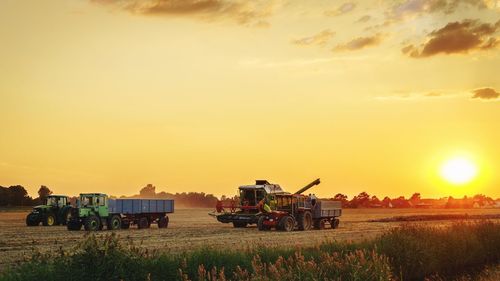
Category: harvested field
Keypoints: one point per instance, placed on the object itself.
(193, 228)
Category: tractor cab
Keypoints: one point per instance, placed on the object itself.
(251, 195)
(57, 201)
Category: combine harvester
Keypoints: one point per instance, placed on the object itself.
(285, 211)
(94, 210)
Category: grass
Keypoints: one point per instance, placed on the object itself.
(405, 253)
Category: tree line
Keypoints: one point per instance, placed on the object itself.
(364, 200)
(16, 195)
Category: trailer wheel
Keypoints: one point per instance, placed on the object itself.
(49, 219)
(92, 223)
(73, 225)
(143, 223)
(287, 223)
(239, 224)
(304, 220)
(261, 226)
(163, 222)
(319, 224)
(125, 224)
(32, 220)
(335, 223)
(115, 222)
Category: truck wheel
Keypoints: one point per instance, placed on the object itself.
(335, 223)
(32, 220)
(287, 223)
(125, 224)
(49, 219)
(239, 224)
(163, 222)
(304, 220)
(261, 226)
(74, 225)
(92, 223)
(143, 223)
(319, 224)
(114, 223)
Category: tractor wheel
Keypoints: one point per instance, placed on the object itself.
(125, 224)
(261, 226)
(319, 224)
(92, 223)
(49, 219)
(114, 223)
(287, 223)
(335, 223)
(163, 222)
(73, 225)
(304, 220)
(32, 220)
(239, 224)
(143, 223)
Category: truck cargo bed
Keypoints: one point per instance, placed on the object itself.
(140, 206)
(327, 209)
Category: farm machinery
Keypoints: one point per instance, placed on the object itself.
(94, 210)
(54, 211)
(265, 204)
(298, 211)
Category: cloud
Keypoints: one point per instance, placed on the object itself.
(364, 18)
(319, 39)
(485, 93)
(457, 37)
(243, 12)
(413, 96)
(413, 8)
(342, 9)
(432, 94)
(360, 43)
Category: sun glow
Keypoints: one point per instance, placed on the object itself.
(459, 171)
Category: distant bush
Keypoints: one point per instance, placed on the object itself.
(407, 253)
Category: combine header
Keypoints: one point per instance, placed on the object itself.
(250, 206)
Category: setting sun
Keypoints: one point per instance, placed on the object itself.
(459, 171)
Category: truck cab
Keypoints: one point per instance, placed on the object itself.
(91, 212)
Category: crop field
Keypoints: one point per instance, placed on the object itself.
(194, 228)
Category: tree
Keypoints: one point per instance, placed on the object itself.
(43, 192)
(148, 191)
(342, 198)
(18, 196)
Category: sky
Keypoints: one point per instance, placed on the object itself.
(206, 95)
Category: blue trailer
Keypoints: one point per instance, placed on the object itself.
(95, 210)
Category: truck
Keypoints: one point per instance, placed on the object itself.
(246, 211)
(298, 211)
(96, 210)
(54, 211)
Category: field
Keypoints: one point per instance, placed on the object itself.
(193, 228)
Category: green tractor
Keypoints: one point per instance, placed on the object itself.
(55, 211)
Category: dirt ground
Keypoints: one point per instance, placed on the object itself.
(193, 228)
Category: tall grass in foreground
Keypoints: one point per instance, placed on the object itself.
(407, 253)
(419, 251)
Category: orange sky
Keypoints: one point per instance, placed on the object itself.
(206, 95)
